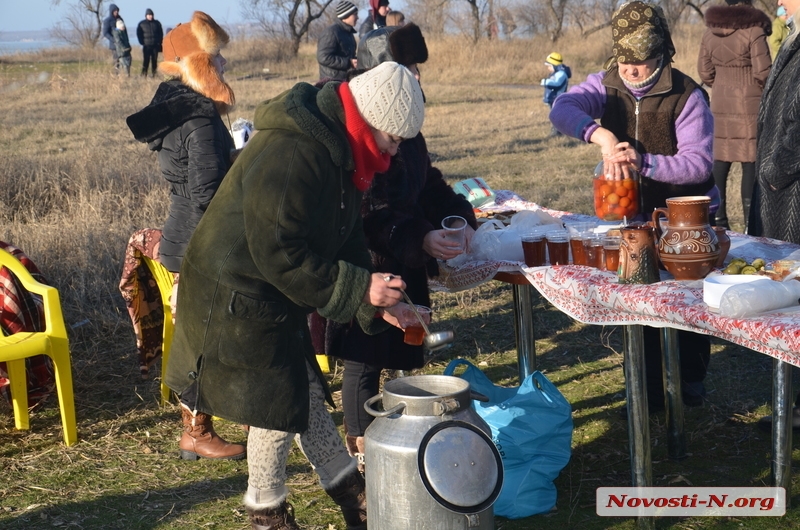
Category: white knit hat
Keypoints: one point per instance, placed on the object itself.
(389, 99)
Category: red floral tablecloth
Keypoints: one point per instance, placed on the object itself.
(594, 297)
(473, 273)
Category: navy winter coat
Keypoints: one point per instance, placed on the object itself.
(109, 24)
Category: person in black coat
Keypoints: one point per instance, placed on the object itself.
(402, 212)
(183, 124)
(150, 35)
(376, 17)
(775, 211)
(336, 48)
(109, 25)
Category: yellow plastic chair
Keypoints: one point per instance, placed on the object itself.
(53, 342)
(164, 280)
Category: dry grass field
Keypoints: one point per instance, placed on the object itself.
(74, 185)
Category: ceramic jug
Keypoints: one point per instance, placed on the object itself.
(638, 262)
(724, 241)
(687, 245)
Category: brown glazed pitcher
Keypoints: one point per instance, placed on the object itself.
(638, 262)
(688, 246)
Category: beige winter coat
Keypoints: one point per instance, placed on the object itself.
(734, 60)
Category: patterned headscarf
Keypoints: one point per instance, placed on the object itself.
(640, 33)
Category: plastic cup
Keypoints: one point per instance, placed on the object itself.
(533, 248)
(455, 226)
(593, 247)
(611, 252)
(576, 246)
(558, 247)
(414, 333)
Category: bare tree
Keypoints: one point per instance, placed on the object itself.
(82, 24)
(290, 18)
(557, 10)
(507, 22)
(430, 15)
(476, 19)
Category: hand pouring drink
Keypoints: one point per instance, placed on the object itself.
(432, 341)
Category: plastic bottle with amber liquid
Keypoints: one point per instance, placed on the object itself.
(615, 200)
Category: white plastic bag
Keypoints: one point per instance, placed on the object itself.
(495, 241)
(486, 244)
(748, 299)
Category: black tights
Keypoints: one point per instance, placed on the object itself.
(359, 383)
(720, 171)
(695, 353)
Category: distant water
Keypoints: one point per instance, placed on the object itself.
(11, 47)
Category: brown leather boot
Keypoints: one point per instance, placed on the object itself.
(351, 497)
(200, 441)
(355, 446)
(280, 518)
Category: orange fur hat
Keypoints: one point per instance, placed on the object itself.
(189, 51)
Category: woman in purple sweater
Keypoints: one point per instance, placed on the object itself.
(655, 120)
(671, 145)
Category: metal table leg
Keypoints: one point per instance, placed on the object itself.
(638, 416)
(523, 330)
(671, 370)
(782, 427)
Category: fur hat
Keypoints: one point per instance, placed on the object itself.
(554, 59)
(404, 45)
(389, 99)
(640, 33)
(189, 52)
(408, 45)
(344, 9)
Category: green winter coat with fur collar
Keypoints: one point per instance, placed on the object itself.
(281, 238)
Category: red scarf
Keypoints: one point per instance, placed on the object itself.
(366, 155)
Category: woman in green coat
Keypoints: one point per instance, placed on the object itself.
(283, 237)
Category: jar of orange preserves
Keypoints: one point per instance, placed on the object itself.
(615, 199)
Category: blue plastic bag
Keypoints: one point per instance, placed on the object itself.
(532, 429)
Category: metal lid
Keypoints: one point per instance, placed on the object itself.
(460, 467)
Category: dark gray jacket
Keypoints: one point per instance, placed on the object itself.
(775, 211)
(194, 149)
(335, 48)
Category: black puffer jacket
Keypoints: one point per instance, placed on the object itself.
(194, 149)
(335, 48)
(371, 23)
(399, 210)
(150, 33)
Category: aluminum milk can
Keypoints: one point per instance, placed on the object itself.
(430, 461)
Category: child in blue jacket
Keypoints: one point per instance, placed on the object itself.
(556, 83)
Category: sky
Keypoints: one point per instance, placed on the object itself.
(31, 15)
